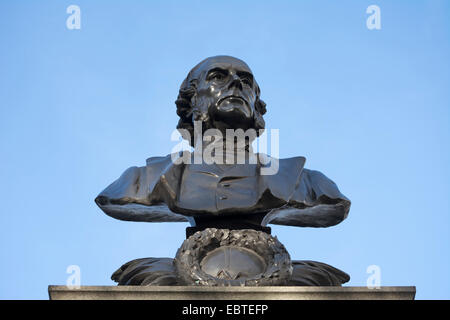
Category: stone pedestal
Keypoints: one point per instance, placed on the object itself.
(229, 293)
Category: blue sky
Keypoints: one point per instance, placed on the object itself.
(369, 108)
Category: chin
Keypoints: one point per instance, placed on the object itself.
(233, 123)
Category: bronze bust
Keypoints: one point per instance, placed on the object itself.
(221, 93)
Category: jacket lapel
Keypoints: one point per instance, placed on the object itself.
(283, 184)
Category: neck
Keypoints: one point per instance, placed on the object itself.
(221, 153)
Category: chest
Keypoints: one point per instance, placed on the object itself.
(215, 189)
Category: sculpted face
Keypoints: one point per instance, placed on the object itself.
(226, 91)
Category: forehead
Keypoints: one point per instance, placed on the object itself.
(223, 62)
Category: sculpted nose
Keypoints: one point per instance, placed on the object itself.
(235, 83)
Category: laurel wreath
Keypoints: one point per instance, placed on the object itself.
(189, 256)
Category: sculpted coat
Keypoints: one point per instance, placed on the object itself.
(163, 191)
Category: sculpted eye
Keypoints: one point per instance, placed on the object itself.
(246, 78)
(217, 76)
(247, 81)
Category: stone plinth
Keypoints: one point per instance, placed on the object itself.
(229, 293)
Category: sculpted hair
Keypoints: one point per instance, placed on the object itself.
(187, 112)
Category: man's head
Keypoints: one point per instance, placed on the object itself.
(221, 92)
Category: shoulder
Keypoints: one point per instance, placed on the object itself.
(316, 177)
(152, 161)
(165, 162)
(281, 176)
(319, 185)
(137, 181)
(131, 172)
(289, 167)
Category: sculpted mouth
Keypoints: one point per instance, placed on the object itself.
(232, 103)
(231, 98)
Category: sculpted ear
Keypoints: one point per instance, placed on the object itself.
(261, 106)
(188, 89)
